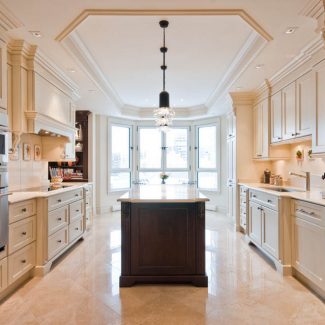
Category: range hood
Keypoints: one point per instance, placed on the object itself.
(44, 125)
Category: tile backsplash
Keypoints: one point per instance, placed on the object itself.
(27, 173)
(314, 165)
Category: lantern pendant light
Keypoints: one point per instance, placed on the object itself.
(164, 114)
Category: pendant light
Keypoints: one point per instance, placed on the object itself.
(164, 114)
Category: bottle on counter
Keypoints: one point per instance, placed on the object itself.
(267, 176)
(272, 179)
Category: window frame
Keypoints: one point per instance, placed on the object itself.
(207, 123)
(120, 170)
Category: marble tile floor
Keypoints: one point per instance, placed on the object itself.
(82, 287)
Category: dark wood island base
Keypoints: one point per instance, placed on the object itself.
(163, 242)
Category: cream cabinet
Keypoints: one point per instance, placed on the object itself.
(289, 111)
(318, 115)
(3, 74)
(276, 117)
(309, 241)
(261, 130)
(243, 206)
(264, 222)
(89, 204)
(305, 103)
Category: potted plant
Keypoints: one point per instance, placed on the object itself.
(163, 177)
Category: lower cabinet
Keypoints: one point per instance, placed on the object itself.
(270, 231)
(57, 242)
(255, 223)
(3, 274)
(309, 242)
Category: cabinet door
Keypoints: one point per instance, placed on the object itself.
(318, 115)
(258, 135)
(255, 223)
(276, 117)
(264, 107)
(69, 150)
(3, 75)
(308, 251)
(306, 102)
(289, 111)
(270, 231)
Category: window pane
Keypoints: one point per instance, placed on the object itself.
(120, 147)
(207, 147)
(120, 181)
(207, 180)
(176, 153)
(151, 178)
(177, 178)
(150, 148)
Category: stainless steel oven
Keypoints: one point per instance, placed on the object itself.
(4, 213)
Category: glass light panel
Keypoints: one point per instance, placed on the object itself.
(207, 156)
(120, 147)
(120, 180)
(208, 180)
(150, 148)
(177, 148)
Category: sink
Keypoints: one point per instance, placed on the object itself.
(281, 189)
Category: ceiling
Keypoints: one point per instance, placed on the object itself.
(115, 60)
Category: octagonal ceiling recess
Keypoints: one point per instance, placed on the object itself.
(207, 54)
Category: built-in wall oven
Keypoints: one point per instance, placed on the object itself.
(4, 213)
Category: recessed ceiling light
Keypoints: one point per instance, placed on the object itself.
(71, 70)
(259, 66)
(36, 33)
(291, 30)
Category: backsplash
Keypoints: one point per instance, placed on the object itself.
(314, 165)
(27, 173)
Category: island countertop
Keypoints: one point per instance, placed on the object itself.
(163, 193)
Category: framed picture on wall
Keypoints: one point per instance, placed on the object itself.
(37, 152)
(27, 151)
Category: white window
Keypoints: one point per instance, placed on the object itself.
(208, 156)
(121, 162)
(163, 152)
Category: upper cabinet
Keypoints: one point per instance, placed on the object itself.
(291, 109)
(276, 117)
(318, 115)
(3, 74)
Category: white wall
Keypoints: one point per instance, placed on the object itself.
(25, 174)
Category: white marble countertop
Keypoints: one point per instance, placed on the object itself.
(33, 193)
(163, 194)
(313, 196)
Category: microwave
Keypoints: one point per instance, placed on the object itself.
(4, 142)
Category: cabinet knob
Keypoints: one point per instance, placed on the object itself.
(76, 228)
(23, 210)
(59, 241)
(59, 200)
(269, 201)
(77, 210)
(279, 138)
(59, 219)
(254, 195)
(24, 233)
(23, 261)
(76, 195)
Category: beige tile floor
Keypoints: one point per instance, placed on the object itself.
(83, 288)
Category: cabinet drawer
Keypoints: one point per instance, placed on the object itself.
(21, 262)
(58, 219)
(76, 210)
(243, 200)
(243, 190)
(59, 200)
(21, 233)
(3, 274)
(310, 212)
(75, 229)
(268, 200)
(57, 242)
(21, 210)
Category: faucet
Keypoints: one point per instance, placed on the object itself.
(307, 176)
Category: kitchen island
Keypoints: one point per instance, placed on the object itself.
(163, 235)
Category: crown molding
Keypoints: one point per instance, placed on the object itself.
(79, 52)
(251, 49)
(8, 20)
(170, 12)
(242, 98)
(21, 47)
(305, 55)
(313, 9)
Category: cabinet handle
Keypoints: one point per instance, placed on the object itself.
(24, 233)
(59, 200)
(77, 210)
(254, 195)
(269, 201)
(293, 134)
(24, 210)
(23, 261)
(59, 241)
(59, 219)
(76, 195)
(76, 228)
(258, 155)
(306, 212)
(297, 133)
(279, 138)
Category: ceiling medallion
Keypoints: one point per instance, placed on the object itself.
(164, 114)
